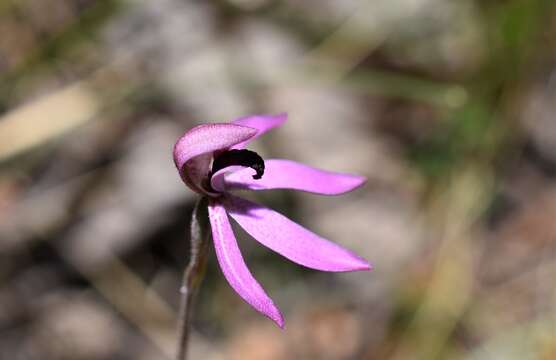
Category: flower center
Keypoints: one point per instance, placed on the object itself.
(245, 158)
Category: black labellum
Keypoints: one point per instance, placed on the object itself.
(243, 157)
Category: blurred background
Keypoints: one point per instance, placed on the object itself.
(446, 106)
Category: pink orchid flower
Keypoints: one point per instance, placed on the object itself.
(212, 161)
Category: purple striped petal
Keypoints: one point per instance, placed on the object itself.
(234, 268)
(193, 151)
(286, 174)
(291, 240)
(262, 123)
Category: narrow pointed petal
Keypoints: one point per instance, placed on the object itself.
(193, 151)
(291, 240)
(286, 174)
(234, 268)
(262, 123)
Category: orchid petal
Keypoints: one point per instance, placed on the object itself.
(233, 266)
(291, 240)
(193, 151)
(286, 174)
(262, 123)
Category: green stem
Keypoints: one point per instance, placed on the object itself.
(193, 274)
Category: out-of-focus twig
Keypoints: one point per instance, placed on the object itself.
(130, 296)
(54, 115)
(47, 118)
(450, 291)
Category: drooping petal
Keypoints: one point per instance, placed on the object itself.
(193, 151)
(291, 240)
(286, 174)
(234, 268)
(262, 123)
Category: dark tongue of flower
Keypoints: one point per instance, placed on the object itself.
(245, 158)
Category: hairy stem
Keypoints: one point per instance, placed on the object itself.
(193, 274)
